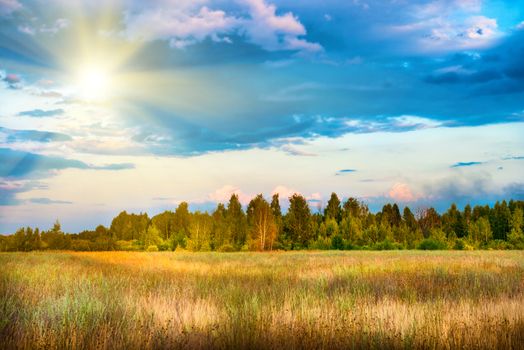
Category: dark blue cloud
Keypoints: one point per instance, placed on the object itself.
(42, 113)
(12, 136)
(20, 164)
(16, 164)
(345, 171)
(9, 190)
(465, 164)
(366, 73)
(494, 71)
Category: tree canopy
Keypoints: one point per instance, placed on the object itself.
(263, 226)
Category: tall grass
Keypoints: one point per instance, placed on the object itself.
(118, 300)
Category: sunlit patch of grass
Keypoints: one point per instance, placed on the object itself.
(262, 300)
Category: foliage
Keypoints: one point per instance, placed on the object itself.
(431, 244)
(264, 227)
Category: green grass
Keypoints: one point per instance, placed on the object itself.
(394, 299)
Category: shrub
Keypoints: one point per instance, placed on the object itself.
(127, 245)
(226, 248)
(337, 242)
(499, 244)
(152, 248)
(166, 245)
(80, 245)
(459, 244)
(431, 244)
(320, 244)
(386, 245)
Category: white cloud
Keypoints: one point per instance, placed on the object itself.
(284, 192)
(187, 24)
(26, 29)
(289, 149)
(402, 193)
(58, 25)
(447, 25)
(179, 24)
(7, 7)
(520, 26)
(224, 193)
(55, 27)
(275, 32)
(414, 122)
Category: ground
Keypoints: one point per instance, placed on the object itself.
(394, 299)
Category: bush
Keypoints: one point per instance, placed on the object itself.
(152, 248)
(431, 244)
(386, 245)
(80, 245)
(166, 245)
(320, 244)
(498, 244)
(459, 244)
(127, 245)
(226, 248)
(337, 242)
(348, 245)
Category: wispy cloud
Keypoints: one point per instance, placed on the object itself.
(293, 151)
(37, 113)
(7, 7)
(465, 164)
(20, 164)
(47, 201)
(12, 136)
(345, 171)
(117, 166)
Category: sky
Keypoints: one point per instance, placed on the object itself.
(130, 105)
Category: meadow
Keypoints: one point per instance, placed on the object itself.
(292, 300)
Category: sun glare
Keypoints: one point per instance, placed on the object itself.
(94, 83)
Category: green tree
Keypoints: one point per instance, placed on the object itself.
(181, 219)
(428, 219)
(333, 210)
(151, 237)
(500, 220)
(516, 236)
(298, 228)
(128, 226)
(262, 224)
(452, 222)
(165, 224)
(409, 219)
(479, 231)
(220, 232)
(236, 220)
(200, 228)
(55, 238)
(277, 214)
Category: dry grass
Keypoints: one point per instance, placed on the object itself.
(329, 300)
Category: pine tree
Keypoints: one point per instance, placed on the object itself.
(333, 210)
(298, 221)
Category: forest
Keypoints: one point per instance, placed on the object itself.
(264, 227)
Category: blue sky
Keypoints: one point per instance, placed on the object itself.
(113, 105)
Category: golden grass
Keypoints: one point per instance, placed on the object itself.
(329, 300)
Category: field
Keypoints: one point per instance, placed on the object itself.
(400, 299)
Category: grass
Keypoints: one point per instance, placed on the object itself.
(396, 299)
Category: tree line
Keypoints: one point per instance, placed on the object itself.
(263, 227)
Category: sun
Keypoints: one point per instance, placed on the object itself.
(94, 83)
